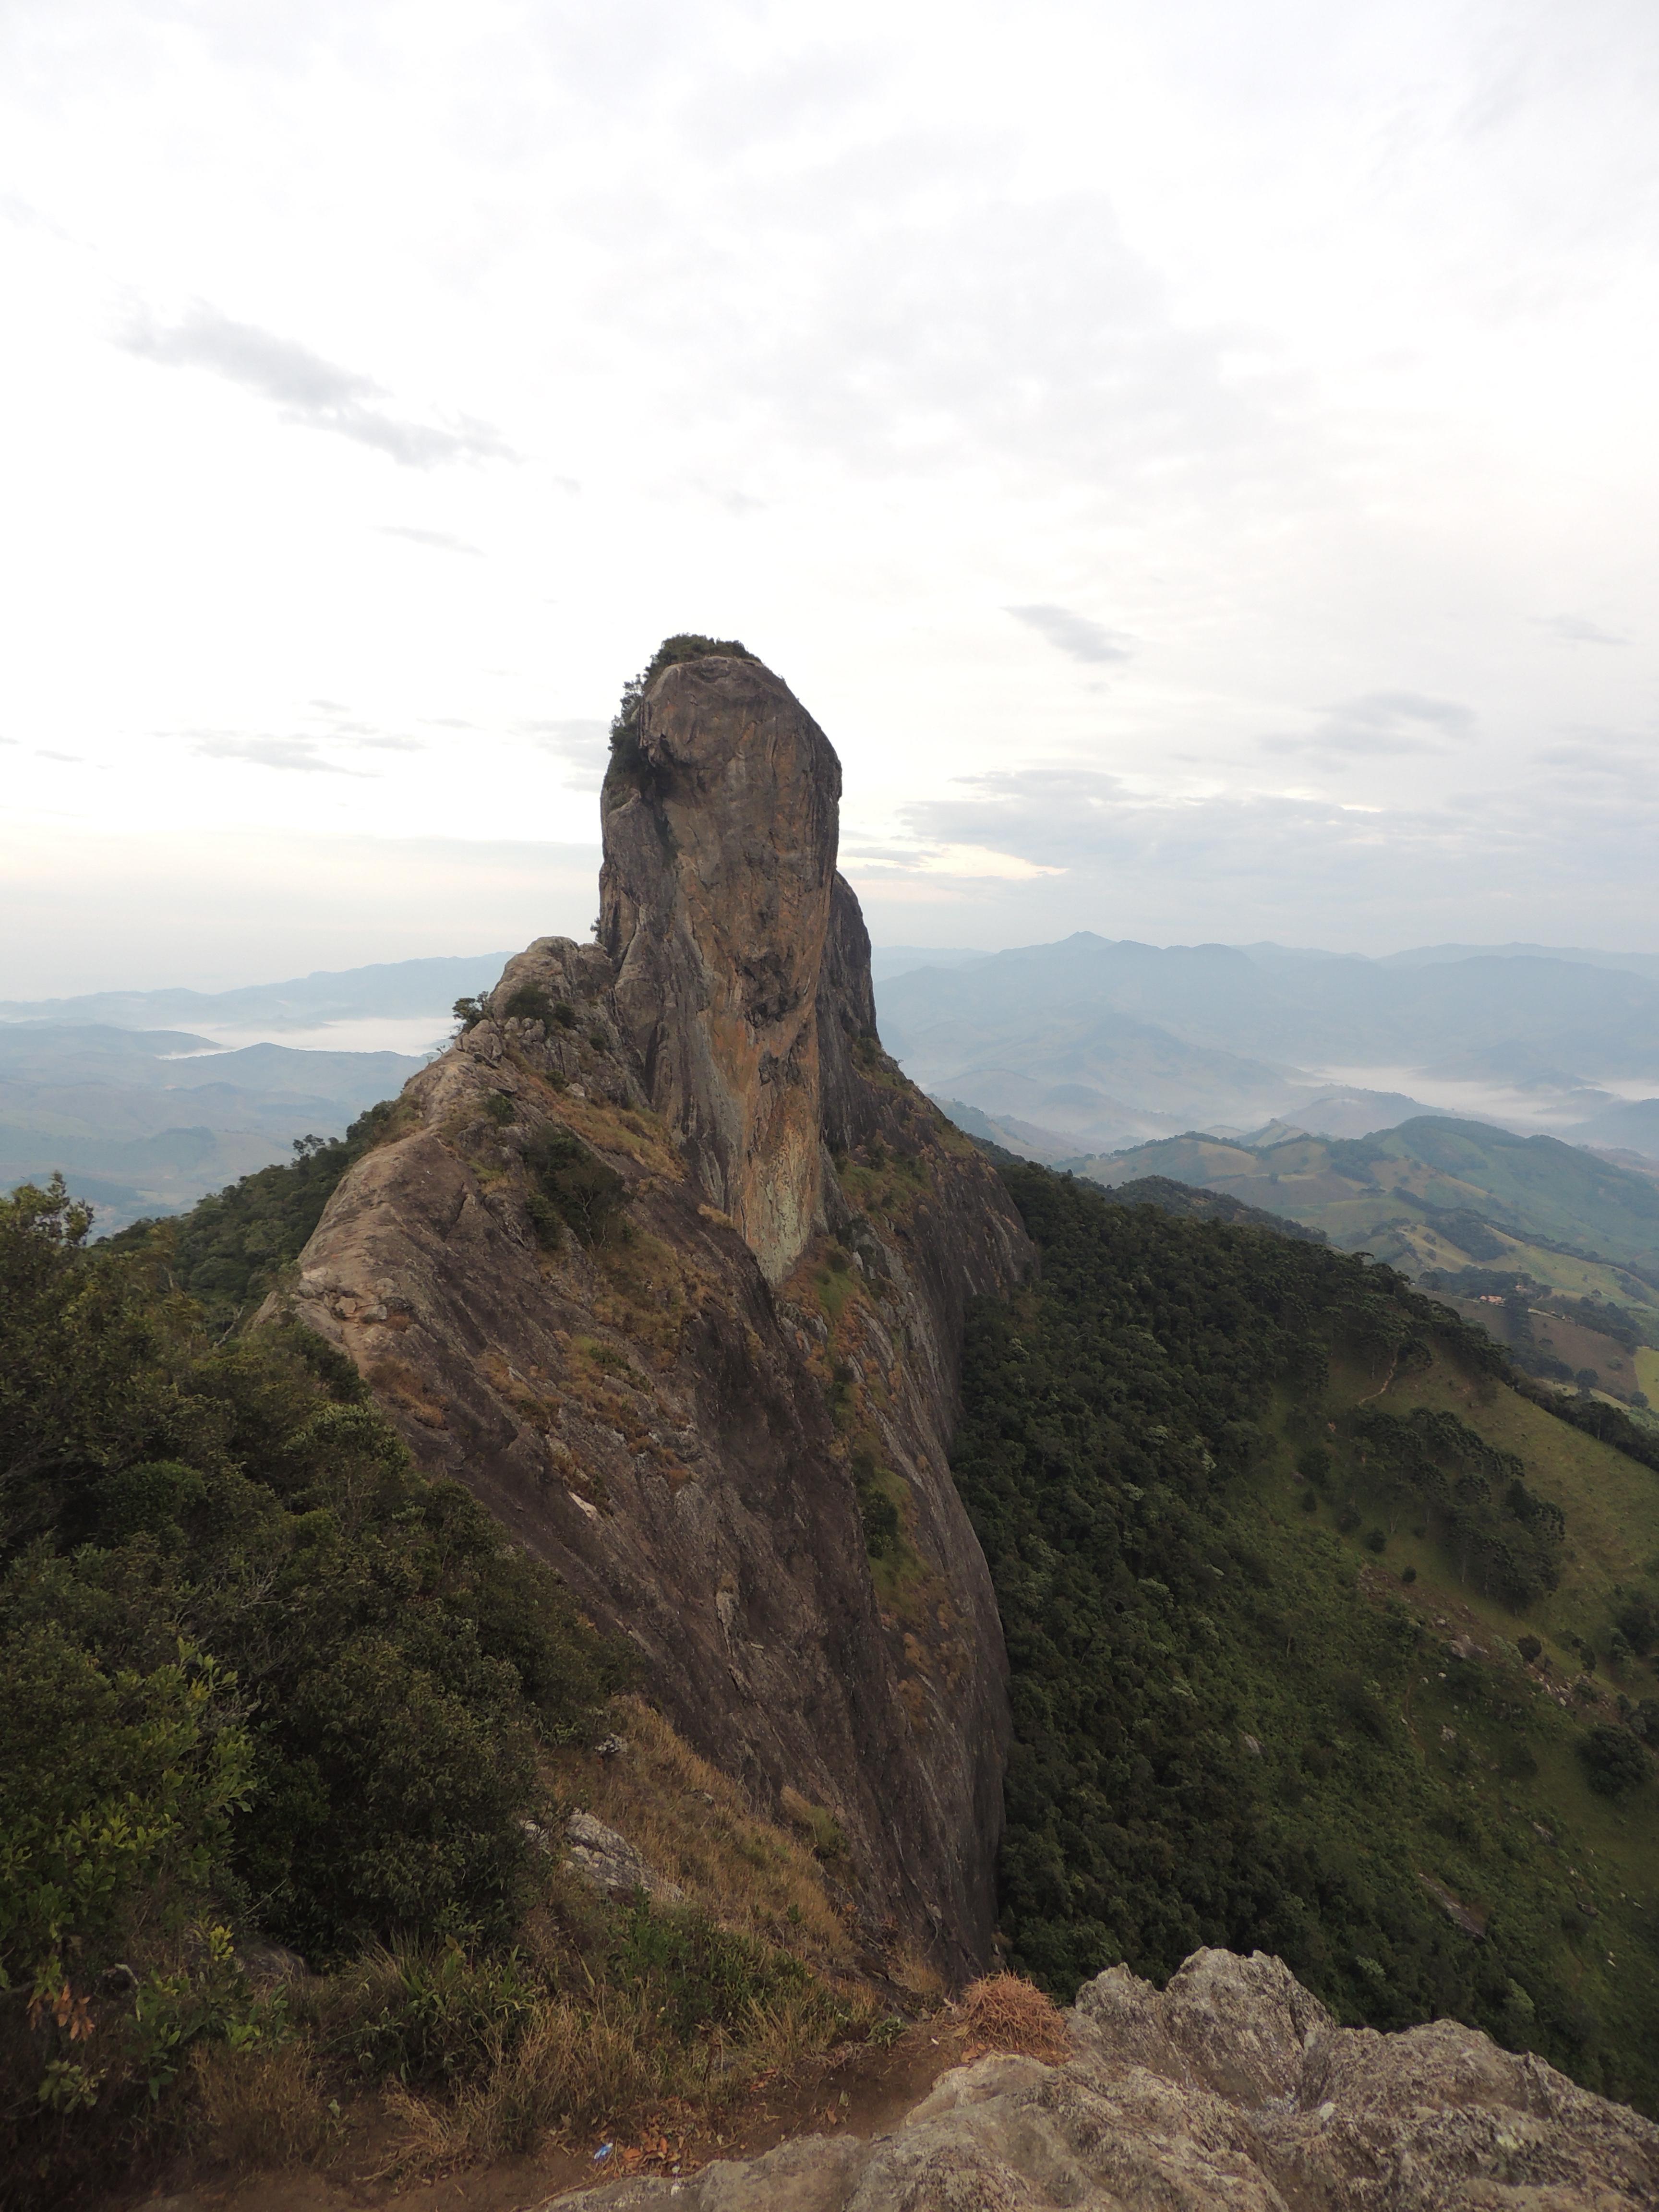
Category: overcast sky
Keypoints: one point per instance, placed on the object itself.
(1197, 461)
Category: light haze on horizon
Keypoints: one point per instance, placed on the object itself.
(1198, 463)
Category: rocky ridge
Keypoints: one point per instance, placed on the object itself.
(1231, 2087)
(665, 1259)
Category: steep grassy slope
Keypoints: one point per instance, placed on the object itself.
(1267, 1530)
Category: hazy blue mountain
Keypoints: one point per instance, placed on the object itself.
(1426, 956)
(1213, 1036)
(1311, 1010)
(889, 960)
(1631, 1125)
(385, 988)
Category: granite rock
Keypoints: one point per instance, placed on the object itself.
(1232, 2088)
(677, 1413)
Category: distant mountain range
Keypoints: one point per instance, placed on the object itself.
(147, 1120)
(1111, 1041)
(1083, 1047)
(149, 1099)
(381, 991)
(1424, 1180)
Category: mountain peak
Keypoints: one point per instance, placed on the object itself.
(720, 819)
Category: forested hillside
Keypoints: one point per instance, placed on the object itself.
(1324, 1639)
(1549, 1249)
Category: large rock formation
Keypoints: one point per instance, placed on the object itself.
(666, 1261)
(1232, 2087)
(719, 818)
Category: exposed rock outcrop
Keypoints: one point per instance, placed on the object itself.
(1231, 2087)
(667, 1261)
(610, 1863)
(721, 816)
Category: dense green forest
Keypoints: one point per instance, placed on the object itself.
(1236, 1721)
(256, 1674)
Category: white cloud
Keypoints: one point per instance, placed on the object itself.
(581, 747)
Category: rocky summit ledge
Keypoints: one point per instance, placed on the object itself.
(1232, 2089)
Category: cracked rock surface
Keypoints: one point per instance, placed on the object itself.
(1232, 2090)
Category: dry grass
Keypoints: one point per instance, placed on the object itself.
(472, 2060)
(257, 2108)
(1003, 2012)
(577, 2070)
(574, 2069)
(692, 1823)
(397, 1380)
(642, 1135)
(822, 1829)
(649, 1293)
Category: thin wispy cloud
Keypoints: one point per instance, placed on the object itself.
(1384, 726)
(306, 390)
(440, 541)
(297, 756)
(1074, 635)
(1574, 629)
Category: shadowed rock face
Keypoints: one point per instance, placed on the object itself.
(719, 830)
(1232, 2087)
(688, 1405)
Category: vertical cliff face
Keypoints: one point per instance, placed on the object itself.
(720, 819)
(667, 1261)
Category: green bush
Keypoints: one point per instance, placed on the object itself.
(1614, 1763)
(696, 1975)
(530, 1002)
(572, 1187)
(879, 1510)
(427, 2013)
